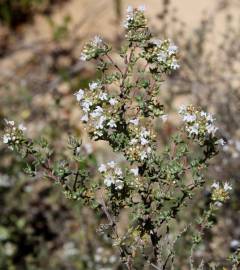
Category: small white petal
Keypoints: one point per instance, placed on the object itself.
(112, 124)
(84, 118)
(6, 138)
(119, 184)
(79, 95)
(118, 171)
(215, 185)
(134, 121)
(93, 86)
(221, 142)
(102, 168)
(134, 171)
(164, 117)
(113, 101)
(142, 8)
(22, 127)
(10, 123)
(83, 57)
(129, 9)
(111, 164)
(227, 186)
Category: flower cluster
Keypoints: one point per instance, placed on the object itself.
(98, 108)
(136, 25)
(141, 143)
(220, 193)
(13, 134)
(199, 124)
(162, 54)
(113, 175)
(135, 18)
(94, 49)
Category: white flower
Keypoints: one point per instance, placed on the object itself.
(79, 95)
(112, 123)
(235, 244)
(189, 117)
(172, 49)
(144, 141)
(134, 121)
(113, 101)
(84, 118)
(98, 133)
(103, 96)
(134, 171)
(93, 86)
(129, 9)
(22, 127)
(207, 116)
(164, 117)
(78, 150)
(175, 65)
(215, 185)
(221, 142)
(144, 133)
(119, 184)
(157, 42)
(162, 57)
(149, 150)
(143, 155)
(118, 171)
(97, 41)
(129, 16)
(10, 123)
(102, 168)
(111, 164)
(83, 56)
(109, 180)
(211, 129)
(182, 109)
(133, 141)
(203, 114)
(97, 112)
(218, 204)
(210, 118)
(227, 186)
(193, 130)
(100, 122)
(86, 105)
(6, 138)
(142, 8)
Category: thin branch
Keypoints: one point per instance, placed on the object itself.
(114, 64)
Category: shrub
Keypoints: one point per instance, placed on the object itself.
(153, 183)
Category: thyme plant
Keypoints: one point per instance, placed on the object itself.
(153, 183)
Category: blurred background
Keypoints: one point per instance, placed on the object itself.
(40, 45)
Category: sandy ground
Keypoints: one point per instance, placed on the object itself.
(97, 16)
(90, 17)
